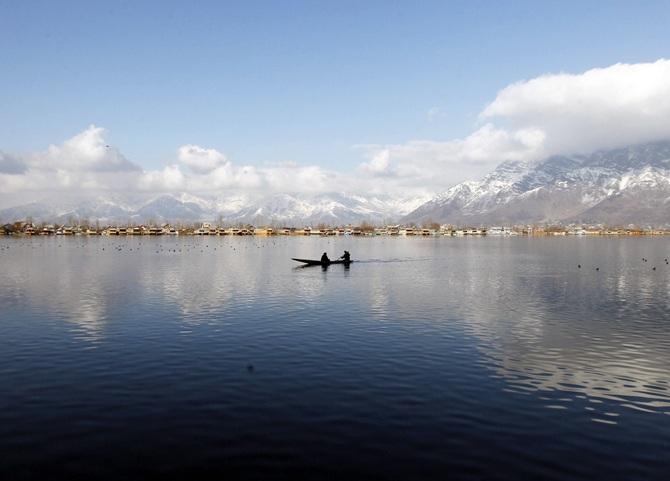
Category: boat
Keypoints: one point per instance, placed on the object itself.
(317, 262)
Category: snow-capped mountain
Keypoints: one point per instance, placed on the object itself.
(623, 186)
(284, 209)
(629, 185)
(62, 209)
(323, 208)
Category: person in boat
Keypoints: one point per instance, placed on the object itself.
(346, 257)
(324, 259)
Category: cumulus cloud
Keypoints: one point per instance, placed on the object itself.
(528, 120)
(201, 160)
(380, 161)
(87, 164)
(434, 164)
(10, 164)
(168, 179)
(85, 152)
(601, 108)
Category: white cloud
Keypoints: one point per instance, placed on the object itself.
(380, 162)
(168, 179)
(431, 165)
(601, 108)
(562, 113)
(10, 164)
(86, 151)
(200, 160)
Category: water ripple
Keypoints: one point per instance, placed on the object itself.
(476, 358)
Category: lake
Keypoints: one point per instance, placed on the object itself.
(430, 358)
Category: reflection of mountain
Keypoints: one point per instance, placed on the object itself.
(590, 362)
(622, 186)
(69, 286)
(537, 323)
(541, 325)
(561, 332)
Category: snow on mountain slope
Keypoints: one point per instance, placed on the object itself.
(285, 209)
(629, 185)
(332, 208)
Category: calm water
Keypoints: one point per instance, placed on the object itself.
(431, 359)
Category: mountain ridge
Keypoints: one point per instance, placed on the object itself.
(627, 185)
(280, 208)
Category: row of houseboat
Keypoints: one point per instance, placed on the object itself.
(207, 229)
(210, 230)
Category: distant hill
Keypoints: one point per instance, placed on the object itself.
(284, 209)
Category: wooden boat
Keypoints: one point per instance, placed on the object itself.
(317, 262)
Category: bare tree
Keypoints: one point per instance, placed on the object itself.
(366, 226)
(431, 224)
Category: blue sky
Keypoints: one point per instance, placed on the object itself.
(268, 82)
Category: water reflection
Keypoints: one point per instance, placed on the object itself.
(89, 318)
(542, 324)
(548, 327)
(436, 349)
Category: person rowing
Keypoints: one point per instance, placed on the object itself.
(325, 261)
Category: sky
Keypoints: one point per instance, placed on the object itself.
(388, 96)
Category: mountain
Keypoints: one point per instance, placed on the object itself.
(623, 186)
(322, 208)
(617, 187)
(283, 209)
(63, 210)
(167, 207)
